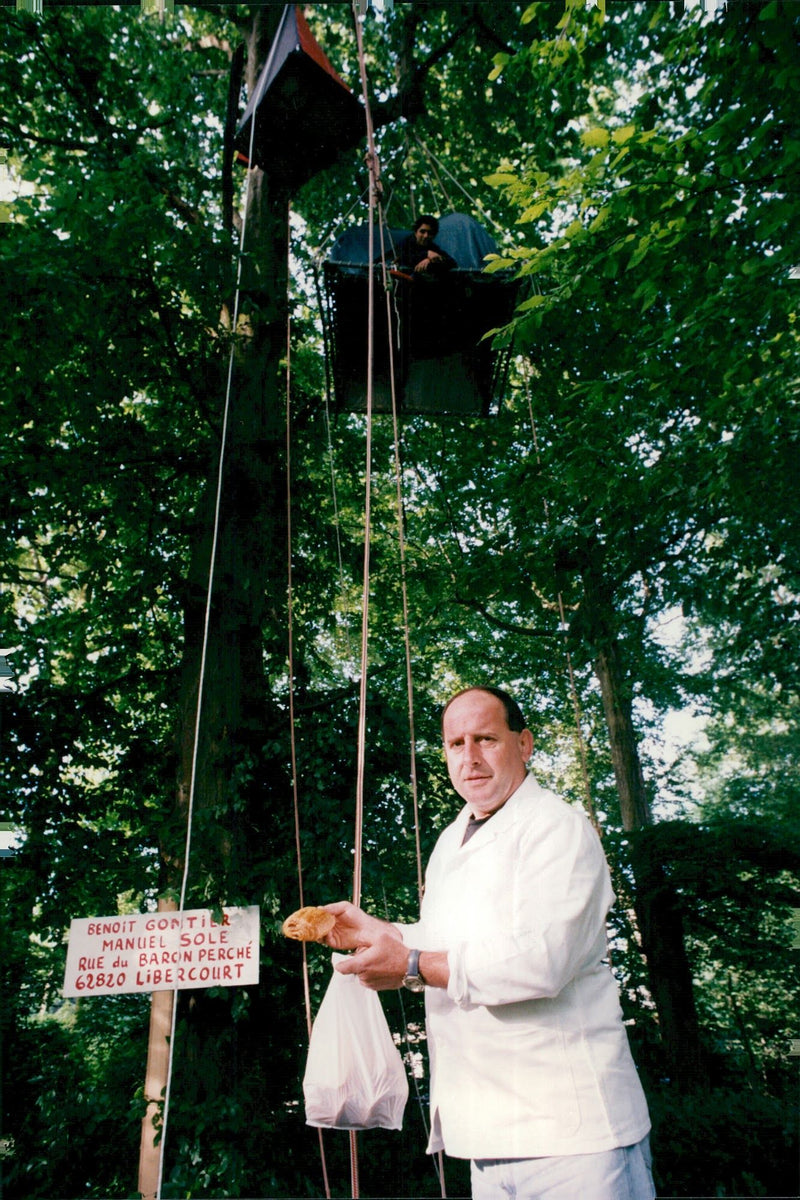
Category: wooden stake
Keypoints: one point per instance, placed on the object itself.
(155, 1081)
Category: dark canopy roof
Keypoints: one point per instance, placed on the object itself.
(305, 114)
(461, 236)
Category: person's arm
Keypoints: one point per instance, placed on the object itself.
(434, 968)
(563, 893)
(383, 963)
(381, 957)
(439, 259)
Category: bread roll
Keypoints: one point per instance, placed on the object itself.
(308, 924)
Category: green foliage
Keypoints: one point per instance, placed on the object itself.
(726, 1142)
(75, 1068)
(642, 467)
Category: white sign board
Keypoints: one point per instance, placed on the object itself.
(158, 952)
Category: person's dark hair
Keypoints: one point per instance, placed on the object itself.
(432, 221)
(514, 717)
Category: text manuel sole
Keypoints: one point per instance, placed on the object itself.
(152, 952)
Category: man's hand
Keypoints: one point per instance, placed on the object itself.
(355, 928)
(381, 956)
(380, 965)
(433, 257)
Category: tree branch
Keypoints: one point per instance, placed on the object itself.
(499, 623)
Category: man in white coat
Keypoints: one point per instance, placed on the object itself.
(532, 1077)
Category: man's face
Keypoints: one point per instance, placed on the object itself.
(486, 760)
(424, 235)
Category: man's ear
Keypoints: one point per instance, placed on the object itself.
(526, 744)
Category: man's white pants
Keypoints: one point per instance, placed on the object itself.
(623, 1174)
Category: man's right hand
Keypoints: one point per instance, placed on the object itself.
(354, 927)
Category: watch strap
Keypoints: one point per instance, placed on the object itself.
(413, 979)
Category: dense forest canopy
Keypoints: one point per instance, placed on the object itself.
(617, 544)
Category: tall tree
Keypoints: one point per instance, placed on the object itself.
(662, 242)
(660, 474)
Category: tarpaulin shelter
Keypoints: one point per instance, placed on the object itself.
(304, 112)
(441, 364)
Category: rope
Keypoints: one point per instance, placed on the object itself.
(292, 737)
(372, 165)
(375, 202)
(362, 695)
(374, 194)
(204, 657)
(403, 576)
(355, 1191)
(327, 344)
(290, 624)
(438, 1162)
(442, 167)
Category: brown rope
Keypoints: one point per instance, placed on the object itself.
(362, 694)
(292, 737)
(402, 550)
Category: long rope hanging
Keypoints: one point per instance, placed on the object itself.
(376, 191)
(401, 541)
(372, 165)
(292, 723)
(374, 204)
(439, 1161)
(374, 176)
(204, 658)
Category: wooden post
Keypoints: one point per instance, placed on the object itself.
(155, 1081)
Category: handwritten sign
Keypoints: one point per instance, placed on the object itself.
(157, 952)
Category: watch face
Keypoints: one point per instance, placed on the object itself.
(414, 983)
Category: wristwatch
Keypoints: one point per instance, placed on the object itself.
(412, 978)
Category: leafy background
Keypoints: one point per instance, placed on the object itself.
(638, 165)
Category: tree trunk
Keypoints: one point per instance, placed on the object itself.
(237, 782)
(239, 787)
(242, 522)
(657, 905)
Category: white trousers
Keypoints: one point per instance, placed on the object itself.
(623, 1174)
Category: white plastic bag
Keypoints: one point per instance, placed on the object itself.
(355, 1078)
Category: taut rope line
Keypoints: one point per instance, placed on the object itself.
(403, 577)
(374, 201)
(372, 164)
(292, 738)
(204, 649)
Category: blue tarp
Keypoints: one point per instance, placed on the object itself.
(461, 236)
(434, 353)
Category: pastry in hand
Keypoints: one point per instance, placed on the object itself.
(308, 924)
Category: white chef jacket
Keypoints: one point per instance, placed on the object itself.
(529, 1056)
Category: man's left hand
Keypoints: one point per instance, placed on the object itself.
(380, 965)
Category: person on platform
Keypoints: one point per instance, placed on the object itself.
(419, 252)
(532, 1077)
